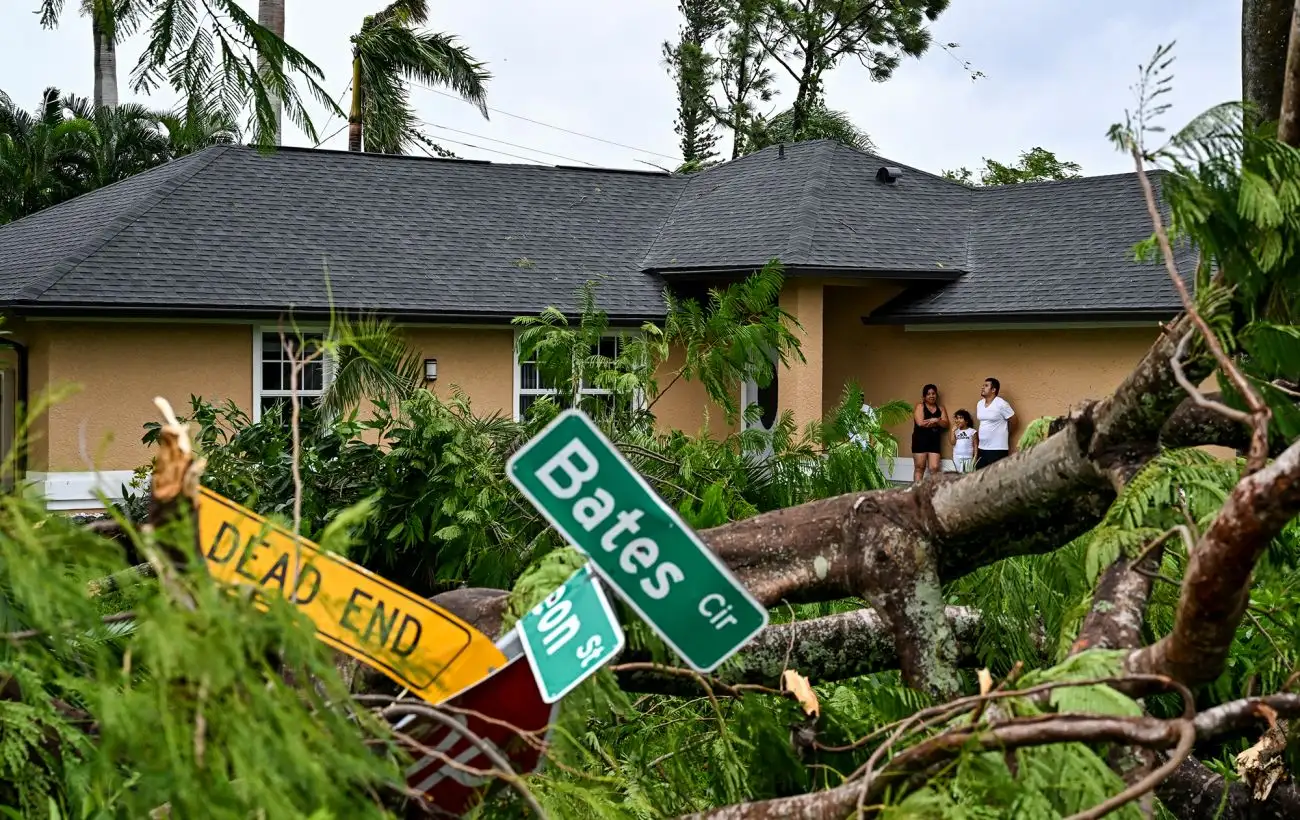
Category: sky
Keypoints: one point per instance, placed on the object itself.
(1057, 74)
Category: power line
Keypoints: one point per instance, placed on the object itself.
(338, 102)
(480, 148)
(511, 144)
(556, 127)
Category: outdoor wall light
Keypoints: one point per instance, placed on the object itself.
(430, 370)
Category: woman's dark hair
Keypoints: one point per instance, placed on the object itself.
(928, 388)
(964, 414)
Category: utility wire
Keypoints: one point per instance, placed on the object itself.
(556, 127)
(339, 103)
(503, 142)
(480, 148)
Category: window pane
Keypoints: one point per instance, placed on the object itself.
(609, 346)
(271, 377)
(312, 376)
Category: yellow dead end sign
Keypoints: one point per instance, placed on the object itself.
(421, 646)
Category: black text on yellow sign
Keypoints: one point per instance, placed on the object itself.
(421, 646)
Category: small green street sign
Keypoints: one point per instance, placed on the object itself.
(570, 635)
(576, 478)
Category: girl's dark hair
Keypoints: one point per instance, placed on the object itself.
(963, 414)
(927, 389)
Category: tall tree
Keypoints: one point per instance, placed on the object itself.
(807, 38)
(694, 70)
(388, 53)
(1265, 34)
(270, 13)
(1035, 165)
(216, 49)
(39, 159)
(110, 21)
(744, 76)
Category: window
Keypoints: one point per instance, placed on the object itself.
(272, 365)
(530, 386)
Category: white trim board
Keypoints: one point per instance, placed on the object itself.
(77, 490)
(901, 469)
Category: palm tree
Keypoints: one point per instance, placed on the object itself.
(387, 53)
(820, 123)
(371, 360)
(270, 13)
(40, 162)
(110, 21)
(119, 142)
(195, 125)
(216, 49)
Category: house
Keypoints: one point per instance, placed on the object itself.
(174, 282)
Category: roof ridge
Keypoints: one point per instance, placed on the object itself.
(1151, 172)
(806, 212)
(164, 189)
(644, 265)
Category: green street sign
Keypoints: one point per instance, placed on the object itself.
(576, 478)
(570, 635)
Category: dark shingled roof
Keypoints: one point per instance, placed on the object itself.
(234, 231)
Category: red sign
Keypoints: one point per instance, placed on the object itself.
(509, 696)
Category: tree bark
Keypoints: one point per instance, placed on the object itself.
(1288, 125)
(105, 64)
(355, 113)
(270, 15)
(1193, 792)
(1265, 33)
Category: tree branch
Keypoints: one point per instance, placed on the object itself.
(1216, 586)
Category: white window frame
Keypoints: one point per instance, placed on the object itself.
(258, 392)
(520, 391)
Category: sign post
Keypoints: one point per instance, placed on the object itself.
(579, 481)
(416, 643)
(570, 635)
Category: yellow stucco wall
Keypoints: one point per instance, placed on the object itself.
(114, 369)
(477, 360)
(1043, 372)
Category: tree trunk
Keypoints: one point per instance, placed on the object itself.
(354, 115)
(105, 65)
(270, 14)
(1265, 25)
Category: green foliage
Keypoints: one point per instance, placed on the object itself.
(1233, 192)
(694, 70)
(226, 734)
(807, 39)
(819, 122)
(66, 147)
(390, 51)
(215, 50)
(1035, 165)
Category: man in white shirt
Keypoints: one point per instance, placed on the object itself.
(994, 416)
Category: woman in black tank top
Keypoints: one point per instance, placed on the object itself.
(929, 420)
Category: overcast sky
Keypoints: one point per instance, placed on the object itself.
(1058, 73)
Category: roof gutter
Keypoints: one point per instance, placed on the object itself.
(1029, 317)
(262, 312)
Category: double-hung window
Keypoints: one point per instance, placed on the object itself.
(531, 386)
(273, 362)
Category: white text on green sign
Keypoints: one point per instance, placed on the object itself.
(570, 635)
(600, 504)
